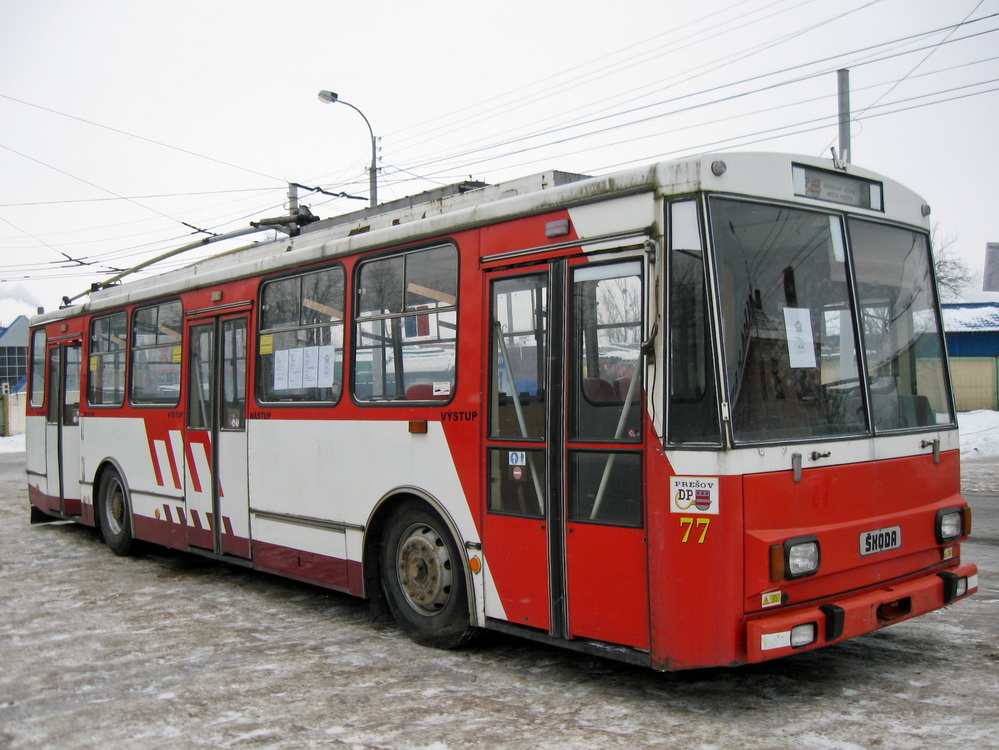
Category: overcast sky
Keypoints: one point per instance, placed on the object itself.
(128, 127)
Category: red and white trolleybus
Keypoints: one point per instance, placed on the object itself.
(691, 414)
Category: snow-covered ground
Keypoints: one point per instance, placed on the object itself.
(12, 444)
(979, 435)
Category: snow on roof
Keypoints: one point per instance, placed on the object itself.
(964, 317)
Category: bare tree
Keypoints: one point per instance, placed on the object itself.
(954, 278)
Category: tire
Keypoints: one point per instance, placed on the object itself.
(423, 577)
(115, 513)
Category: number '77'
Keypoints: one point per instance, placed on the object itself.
(687, 524)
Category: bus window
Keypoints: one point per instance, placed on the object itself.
(55, 370)
(38, 367)
(71, 387)
(693, 403)
(902, 336)
(156, 354)
(407, 324)
(106, 378)
(517, 380)
(300, 351)
(233, 374)
(790, 374)
(606, 488)
(607, 339)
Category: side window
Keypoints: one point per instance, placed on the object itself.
(106, 378)
(407, 324)
(300, 350)
(38, 367)
(156, 354)
(693, 410)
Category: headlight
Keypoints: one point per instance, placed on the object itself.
(952, 523)
(801, 557)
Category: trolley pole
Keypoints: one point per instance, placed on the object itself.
(843, 80)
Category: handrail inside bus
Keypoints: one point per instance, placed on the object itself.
(501, 345)
(622, 420)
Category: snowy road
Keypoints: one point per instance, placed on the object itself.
(172, 651)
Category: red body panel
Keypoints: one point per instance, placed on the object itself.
(606, 571)
(307, 566)
(837, 504)
(520, 569)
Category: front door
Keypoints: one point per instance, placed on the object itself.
(62, 431)
(564, 528)
(215, 436)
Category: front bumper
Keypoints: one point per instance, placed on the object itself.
(769, 636)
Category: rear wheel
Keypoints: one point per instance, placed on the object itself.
(115, 513)
(424, 578)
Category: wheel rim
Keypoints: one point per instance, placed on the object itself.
(424, 567)
(114, 507)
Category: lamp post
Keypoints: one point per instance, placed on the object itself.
(330, 97)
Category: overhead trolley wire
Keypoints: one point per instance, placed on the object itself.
(451, 158)
(692, 74)
(603, 71)
(140, 137)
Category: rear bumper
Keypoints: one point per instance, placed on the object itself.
(769, 637)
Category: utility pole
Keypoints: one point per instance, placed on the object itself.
(843, 80)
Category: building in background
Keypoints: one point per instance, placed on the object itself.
(972, 331)
(14, 355)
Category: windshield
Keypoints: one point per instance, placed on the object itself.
(902, 333)
(792, 362)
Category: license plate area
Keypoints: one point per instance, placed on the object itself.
(880, 540)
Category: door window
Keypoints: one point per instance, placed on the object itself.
(607, 342)
(517, 377)
(201, 402)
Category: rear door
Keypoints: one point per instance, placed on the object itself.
(62, 431)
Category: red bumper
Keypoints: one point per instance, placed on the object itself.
(769, 636)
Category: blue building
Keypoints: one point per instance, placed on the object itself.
(14, 355)
(972, 332)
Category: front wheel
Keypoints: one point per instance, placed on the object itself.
(424, 578)
(115, 513)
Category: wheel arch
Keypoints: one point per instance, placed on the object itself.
(374, 529)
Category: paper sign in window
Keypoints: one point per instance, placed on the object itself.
(326, 366)
(798, 329)
(281, 370)
(310, 367)
(296, 366)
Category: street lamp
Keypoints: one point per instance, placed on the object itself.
(330, 97)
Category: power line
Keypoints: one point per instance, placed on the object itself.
(451, 157)
(99, 187)
(458, 162)
(673, 82)
(134, 197)
(139, 137)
